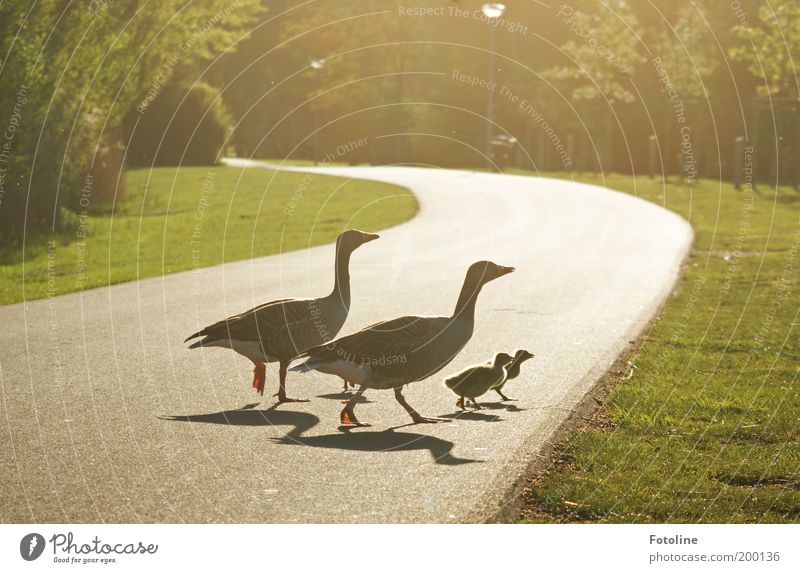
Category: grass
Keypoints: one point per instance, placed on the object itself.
(176, 219)
(707, 428)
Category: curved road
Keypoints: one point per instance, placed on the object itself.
(109, 418)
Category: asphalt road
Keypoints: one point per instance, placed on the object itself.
(107, 417)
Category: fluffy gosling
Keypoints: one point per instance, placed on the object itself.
(479, 379)
(512, 371)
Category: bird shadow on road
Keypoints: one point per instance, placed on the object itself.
(472, 415)
(386, 441)
(344, 396)
(501, 406)
(248, 416)
(482, 415)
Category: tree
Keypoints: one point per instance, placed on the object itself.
(771, 47)
(185, 125)
(82, 67)
(687, 50)
(604, 50)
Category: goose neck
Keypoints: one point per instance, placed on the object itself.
(341, 281)
(465, 307)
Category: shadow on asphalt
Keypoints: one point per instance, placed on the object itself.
(365, 441)
(345, 396)
(477, 416)
(247, 416)
(482, 414)
(501, 406)
(387, 441)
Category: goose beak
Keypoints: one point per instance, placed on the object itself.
(370, 237)
(505, 270)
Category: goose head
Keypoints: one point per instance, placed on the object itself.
(483, 272)
(351, 239)
(478, 275)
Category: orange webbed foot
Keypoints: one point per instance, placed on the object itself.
(349, 419)
(259, 377)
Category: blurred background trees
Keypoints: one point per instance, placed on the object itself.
(91, 88)
(82, 68)
(187, 124)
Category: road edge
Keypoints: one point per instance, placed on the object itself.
(507, 508)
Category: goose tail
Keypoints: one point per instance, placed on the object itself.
(195, 335)
(307, 366)
(208, 341)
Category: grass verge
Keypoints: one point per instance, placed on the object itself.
(176, 219)
(704, 424)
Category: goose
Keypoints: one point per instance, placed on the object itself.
(393, 353)
(476, 380)
(278, 331)
(513, 370)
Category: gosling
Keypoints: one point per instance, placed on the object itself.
(479, 379)
(512, 371)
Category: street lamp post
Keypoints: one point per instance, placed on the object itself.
(491, 10)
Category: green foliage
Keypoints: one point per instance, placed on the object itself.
(607, 40)
(368, 73)
(586, 67)
(83, 66)
(185, 125)
(686, 50)
(771, 47)
(603, 48)
(608, 74)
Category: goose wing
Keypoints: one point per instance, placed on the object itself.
(281, 327)
(407, 348)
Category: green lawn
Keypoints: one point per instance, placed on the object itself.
(176, 219)
(707, 428)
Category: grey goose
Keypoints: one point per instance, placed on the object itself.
(278, 331)
(393, 353)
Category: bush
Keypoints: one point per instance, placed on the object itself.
(184, 125)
